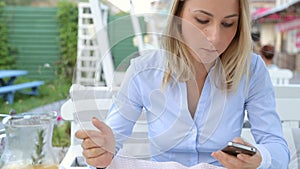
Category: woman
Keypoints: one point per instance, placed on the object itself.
(195, 92)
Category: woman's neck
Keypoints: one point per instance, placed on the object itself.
(201, 69)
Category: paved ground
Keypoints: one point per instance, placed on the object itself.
(49, 107)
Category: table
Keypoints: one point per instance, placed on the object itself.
(11, 75)
(8, 89)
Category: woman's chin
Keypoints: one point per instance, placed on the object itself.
(207, 58)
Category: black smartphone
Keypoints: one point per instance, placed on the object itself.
(234, 149)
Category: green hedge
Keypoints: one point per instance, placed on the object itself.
(68, 20)
(7, 60)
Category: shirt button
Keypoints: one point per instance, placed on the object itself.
(194, 131)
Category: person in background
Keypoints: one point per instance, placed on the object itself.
(194, 93)
(267, 54)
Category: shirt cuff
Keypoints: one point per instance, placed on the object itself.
(265, 155)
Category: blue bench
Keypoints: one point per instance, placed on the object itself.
(9, 91)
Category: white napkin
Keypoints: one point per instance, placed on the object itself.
(132, 163)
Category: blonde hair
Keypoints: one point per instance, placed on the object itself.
(233, 60)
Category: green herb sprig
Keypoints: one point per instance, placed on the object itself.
(39, 154)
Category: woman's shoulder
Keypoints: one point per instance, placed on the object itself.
(256, 63)
(149, 59)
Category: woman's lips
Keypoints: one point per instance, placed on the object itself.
(209, 50)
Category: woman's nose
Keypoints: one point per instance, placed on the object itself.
(213, 34)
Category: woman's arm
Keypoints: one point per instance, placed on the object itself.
(265, 123)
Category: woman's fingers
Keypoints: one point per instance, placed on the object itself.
(246, 158)
(93, 152)
(108, 136)
(103, 137)
(241, 160)
(226, 160)
(93, 142)
(106, 130)
(83, 134)
(101, 161)
(241, 141)
(98, 145)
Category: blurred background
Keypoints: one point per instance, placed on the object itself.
(41, 35)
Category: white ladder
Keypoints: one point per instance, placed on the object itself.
(91, 48)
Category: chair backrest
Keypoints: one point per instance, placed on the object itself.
(280, 76)
(288, 108)
(88, 102)
(288, 103)
(85, 103)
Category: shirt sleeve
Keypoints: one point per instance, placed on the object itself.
(265, 123)
(126, 108)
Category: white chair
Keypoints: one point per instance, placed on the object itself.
(280, 76)
(88, 102)
(288, 108)
(288, 104)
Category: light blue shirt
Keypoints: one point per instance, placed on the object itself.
(175, 136)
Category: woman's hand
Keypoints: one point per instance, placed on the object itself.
(98, 146)
(241, 161)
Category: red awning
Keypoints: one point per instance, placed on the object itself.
(285, 12)
(287, 26)
(261, 11)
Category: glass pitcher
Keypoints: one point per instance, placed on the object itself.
(28, 143)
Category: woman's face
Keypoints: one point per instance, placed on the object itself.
(208, 27)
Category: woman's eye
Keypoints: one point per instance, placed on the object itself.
(202, 21)
(227, 24)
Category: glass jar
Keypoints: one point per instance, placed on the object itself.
(28, 143)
